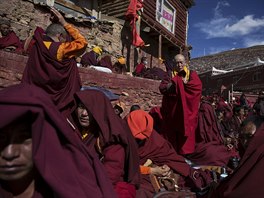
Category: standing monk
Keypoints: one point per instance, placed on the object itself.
(181, 89)
(52, 65)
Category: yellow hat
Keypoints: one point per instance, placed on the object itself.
(97, 50)
(122, 60)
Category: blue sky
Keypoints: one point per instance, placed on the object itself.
(217, 25)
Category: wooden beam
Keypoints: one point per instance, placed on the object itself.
(73, 7)
(160, 48)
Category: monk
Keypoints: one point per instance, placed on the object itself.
(106, 134)
(91, 58)
(120, 65)
(40, 157)
(8, 39)
(52, 65)
(106, 61)
(141, 67)
(181, 91)
(157, 157)
(247, 180)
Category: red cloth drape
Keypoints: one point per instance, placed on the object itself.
(132, 16)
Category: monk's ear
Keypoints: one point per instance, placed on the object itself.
(61, 38)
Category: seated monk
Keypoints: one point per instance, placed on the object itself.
(107, 135)
(40, 157)
(141, 67)
(8, 39)
(163, 158)
(247, 179)
(120, 66)
(91, 58)
(106, 61)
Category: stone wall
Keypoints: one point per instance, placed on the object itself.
(140, 91)
(111, 33)
(26, 16)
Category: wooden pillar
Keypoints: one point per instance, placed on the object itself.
(160, 48)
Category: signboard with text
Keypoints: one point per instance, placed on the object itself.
(166, 14)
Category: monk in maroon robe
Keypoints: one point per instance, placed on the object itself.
(247, 180)
(181, 91)
(161, 156)
(40, 155)
(210, 148)
(106, 61)
(9, 38)
(103, 132)
(91, 58)
(52, 65)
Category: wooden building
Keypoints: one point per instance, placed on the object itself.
(248, 78)
(164, 26)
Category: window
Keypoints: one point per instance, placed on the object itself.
(166, 14)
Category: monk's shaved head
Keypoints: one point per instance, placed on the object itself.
(180, 56)
(55, 29)
(179, 61)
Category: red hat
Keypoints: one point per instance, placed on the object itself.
(140, 124)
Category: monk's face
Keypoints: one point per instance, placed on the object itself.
(5, 29)
(179, 62)
(83, 115)
(16, 151)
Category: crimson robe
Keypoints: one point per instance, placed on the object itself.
(64, 166)
(132, 16)
(60, 79)
(180, 111)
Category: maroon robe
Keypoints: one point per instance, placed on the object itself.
(11, 40)
(247, 180)
(210, 148)
(116, 142)
(161, 152)
(180, 111)
(63, 163)
(89, 59)
(106, 62)
(60, 79)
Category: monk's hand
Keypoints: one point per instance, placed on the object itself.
(166, 170)
(160, 170)
(58, 16)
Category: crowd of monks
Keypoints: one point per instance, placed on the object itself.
(57, 140)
